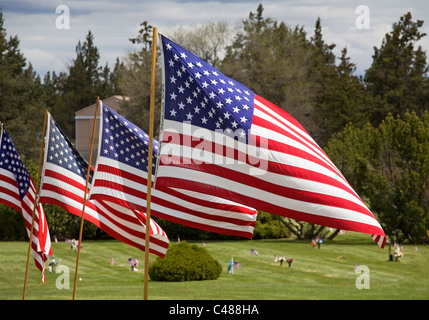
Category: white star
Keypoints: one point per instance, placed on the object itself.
(204, 120)
(173, 96)
(243, 119)
(173, 112)
(189, 116)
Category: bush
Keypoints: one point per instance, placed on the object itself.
(185, 262)
(269, 226)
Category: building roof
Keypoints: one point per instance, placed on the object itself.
(113, 102)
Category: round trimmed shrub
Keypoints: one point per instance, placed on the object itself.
(185, 262)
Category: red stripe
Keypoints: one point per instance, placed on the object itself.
(139, 234)
(108, 184)
(253, 181)
(283, 115)
(68, 195)
(114, 186)
(65, 179)
(210, 204)
(291, 150)
(270, 207)
(273, 167)
(210, 228)
(119, 187)
(121, 173)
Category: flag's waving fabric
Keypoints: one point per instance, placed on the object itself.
(63, 184)
(121, 177)
(221, 138)
(17, 191)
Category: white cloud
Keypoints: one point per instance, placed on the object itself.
(44, 60)
(113, 22)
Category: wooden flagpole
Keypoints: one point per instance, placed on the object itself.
(42, 147)
(149, 170)
(84, 197)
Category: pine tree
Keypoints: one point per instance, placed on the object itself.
(397, 77)
(389, 168)
(274, 60)
(21, 108)
(343, 100)
(86, 80)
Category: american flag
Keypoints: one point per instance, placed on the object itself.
(121, 176)
(63, 184)
(17, 191)
(222, 139)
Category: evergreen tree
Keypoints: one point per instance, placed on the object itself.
(134, 81)
(388, 167)
(275, 62)
(397, 77)
(343, 99)
(21, 108)
(66, 94)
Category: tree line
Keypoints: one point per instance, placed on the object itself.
(375, 127)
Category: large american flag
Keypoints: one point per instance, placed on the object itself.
(222, 139)
(63, 184)
(17, 191)
(121, 177)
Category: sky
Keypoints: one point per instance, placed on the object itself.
(49, 44)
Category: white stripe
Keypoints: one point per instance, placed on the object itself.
(277, 118)
(94, 214)
(162, 195)
(273, 178)
(282, 201)
(138, 240)
(137, 226)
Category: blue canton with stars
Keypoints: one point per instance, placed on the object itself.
(125, 142)
(11, 161)
(61, 152)
(200, 94)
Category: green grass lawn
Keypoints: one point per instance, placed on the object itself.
(325, 273)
